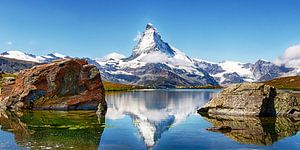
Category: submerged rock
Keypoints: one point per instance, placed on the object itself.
(66, 84)
(252, 99)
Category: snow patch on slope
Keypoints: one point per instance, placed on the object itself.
(238, 67)
(233, 66)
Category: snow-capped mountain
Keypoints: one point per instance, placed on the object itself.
(264, 70)
(30, 57)
(228, 72)
(155, 63)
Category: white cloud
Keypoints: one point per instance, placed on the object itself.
(137, 37)
(9, 43)
(290, 57)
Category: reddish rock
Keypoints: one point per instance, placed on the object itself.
(66, 84)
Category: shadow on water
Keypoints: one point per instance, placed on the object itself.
(256, 130)
(54, 129)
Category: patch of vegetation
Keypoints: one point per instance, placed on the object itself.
(286, 83)
(110, 86)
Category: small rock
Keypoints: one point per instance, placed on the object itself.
(222, 129)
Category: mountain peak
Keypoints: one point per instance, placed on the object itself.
(150, 26)
(151, 41)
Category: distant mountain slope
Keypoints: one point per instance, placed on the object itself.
(9, 65)
(228, 72)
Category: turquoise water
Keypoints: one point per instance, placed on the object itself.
(156, 119)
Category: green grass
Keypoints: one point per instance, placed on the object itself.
(288, 83)
(110, 86)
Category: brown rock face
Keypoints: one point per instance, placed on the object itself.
(252, 99)
(66, 84)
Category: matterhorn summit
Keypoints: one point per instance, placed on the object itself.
(151, 41)
(152, 49)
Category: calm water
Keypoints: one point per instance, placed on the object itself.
(159, 119)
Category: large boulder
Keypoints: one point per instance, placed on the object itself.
(252, 99)
(66, 84)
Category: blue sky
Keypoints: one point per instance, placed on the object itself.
(243, 30)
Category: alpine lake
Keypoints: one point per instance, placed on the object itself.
(146, 119)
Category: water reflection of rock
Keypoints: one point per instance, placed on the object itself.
(155, 112)
(254, 130)
(55, 130)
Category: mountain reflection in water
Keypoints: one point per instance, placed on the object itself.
(154, 112)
